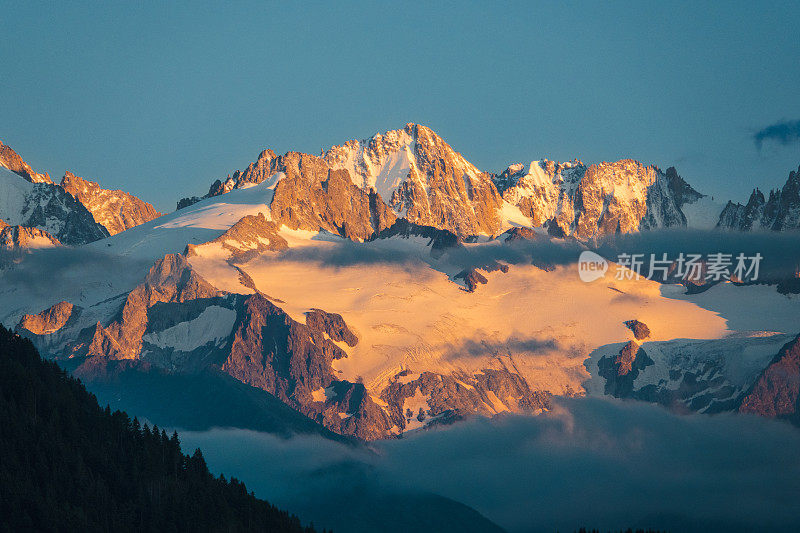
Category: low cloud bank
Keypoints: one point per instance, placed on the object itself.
(780, 250)
(594, 462)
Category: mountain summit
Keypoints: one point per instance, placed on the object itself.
(412, 173)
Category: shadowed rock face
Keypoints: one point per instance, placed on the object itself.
(621, 371)
(440, 239)
(115, 210)
(290, 360)
(40, 212)
(170, 280)
(780, 212)
(56, 214)
(777, 390)
(12, 161)
(332, 324)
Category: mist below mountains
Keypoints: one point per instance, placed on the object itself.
(599, 463)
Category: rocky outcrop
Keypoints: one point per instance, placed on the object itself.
(186, 202)
(50, 320)
(602, 199)
(75, 212)
(737, 373)
(12, 161)
(332, 324)
(781, 211)
(472, 278)
(776, 393)
(115, 210)
(523, 234)
(621, 371)
(309, 195)
(248, 238)
(639, 329)
(275, 353)
(48, 208)
(313, 197)
(22, 238)
(440, 240)
(543, 191)
(169, 280)
(434, 398)
(264, 167)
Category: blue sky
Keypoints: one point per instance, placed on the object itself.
(161, 100)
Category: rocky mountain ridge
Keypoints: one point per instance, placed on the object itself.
(753, 373)
(178, 322)
(48, 208)
(115, 210)
(74, 212)
(12, 161)
(412, 173)
(601, 199)
(21, 238)
(779, 212)
(202, 311)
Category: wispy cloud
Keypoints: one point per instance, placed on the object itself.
(785, 132)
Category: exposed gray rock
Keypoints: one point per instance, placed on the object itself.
(50, 208)
(781, 211)
(621, 371)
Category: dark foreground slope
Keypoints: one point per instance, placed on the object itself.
(68, 465)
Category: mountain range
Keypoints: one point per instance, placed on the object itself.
(388, 285)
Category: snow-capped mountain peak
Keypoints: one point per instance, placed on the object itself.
(385, 161)
(604, 198)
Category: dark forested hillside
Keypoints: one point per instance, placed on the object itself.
(66, 464)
